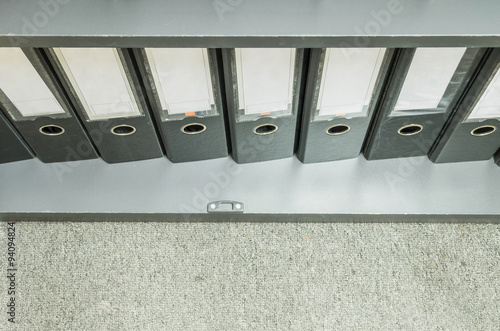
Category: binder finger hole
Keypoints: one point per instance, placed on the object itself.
(123, 130)
(338, 129)
(265, 129)
(483, 130)
(410, 130)
(52, 130)
(193, 128)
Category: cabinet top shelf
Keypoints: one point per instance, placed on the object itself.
(245, 23)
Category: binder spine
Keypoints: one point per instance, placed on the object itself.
(413, 132)
(456, 141)
(331, 138)
(278, 136)
(56, 137)
(193, 137)
(118, 139)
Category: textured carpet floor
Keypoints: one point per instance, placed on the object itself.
(251, 276)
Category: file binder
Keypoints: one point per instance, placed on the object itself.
(106, 91)
(32, 99)
(343, 86)
(473, 133)
(424, 87)
(264, 89)
(12, 147)
(183, 87)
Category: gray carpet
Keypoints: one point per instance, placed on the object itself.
(251, 276)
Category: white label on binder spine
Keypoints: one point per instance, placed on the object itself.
(348, 80)
(24, 87)
(265, 79)
(182, 78)
(488, 105)
(428, 77)
(100, 82)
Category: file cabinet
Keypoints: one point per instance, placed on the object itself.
(412, 186)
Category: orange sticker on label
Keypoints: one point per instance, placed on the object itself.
(265, 113)
(189, 114)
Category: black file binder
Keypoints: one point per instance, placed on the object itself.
(424, 87)
(343, 87)
(32, 99)
(473, 133)
(184, 88)
(103, 85)
(12, 146)
(264, 88)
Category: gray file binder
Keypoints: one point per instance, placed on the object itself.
(343, 87)
(184, 88)
(424, 87)
(107, 93)
(32, 99)
(473, 133)
(264, 89)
